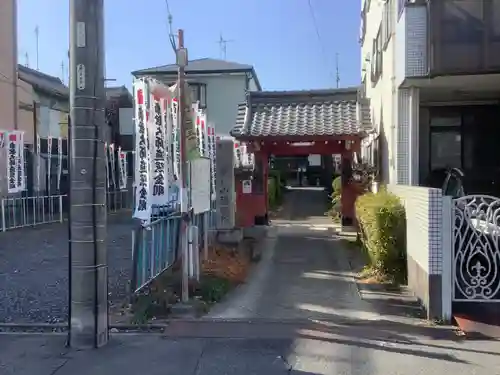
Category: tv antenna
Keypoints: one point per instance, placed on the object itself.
(337, 74)
(223, 46)
(37, 35)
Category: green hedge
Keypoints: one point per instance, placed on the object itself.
(337, 186)
(382, 221)
(275, 188)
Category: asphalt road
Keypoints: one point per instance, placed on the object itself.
(34, 270)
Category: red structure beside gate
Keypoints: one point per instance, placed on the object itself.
(292, 123)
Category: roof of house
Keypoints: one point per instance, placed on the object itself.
(303, 113)
(201, 66)
(43, 82)
(54, 86)
(117, 91)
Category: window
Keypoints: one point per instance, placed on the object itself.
(446, 138)
(199, 93)
(462, 21)
(387, 22)
(362, 27)
(376, 61)
(446, 149)
(495, 19)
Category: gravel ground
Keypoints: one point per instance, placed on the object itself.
(34, 270)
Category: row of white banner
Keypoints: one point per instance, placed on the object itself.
(13, 144)
(157, 149)
(242, 158)
(110, 153)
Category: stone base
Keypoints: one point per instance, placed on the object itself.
(427, 288)
(229, 236)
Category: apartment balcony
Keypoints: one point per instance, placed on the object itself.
(437, 38)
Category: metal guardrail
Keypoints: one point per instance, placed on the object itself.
(118, 200)
(31, 211)
(20, 212)
(156, 247)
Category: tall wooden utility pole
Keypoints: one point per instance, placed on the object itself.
(184, 111)
(88, 277)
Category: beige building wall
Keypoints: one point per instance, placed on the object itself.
(8, 64)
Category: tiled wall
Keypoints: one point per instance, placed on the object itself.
(428, 246)
(411, 45)
(424, 223)
(407, 144)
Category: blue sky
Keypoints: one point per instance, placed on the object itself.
(277, 37)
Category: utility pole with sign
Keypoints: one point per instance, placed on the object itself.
(88, 278)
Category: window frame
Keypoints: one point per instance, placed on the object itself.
(200, 93)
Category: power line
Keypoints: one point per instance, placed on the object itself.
(171, 35)
(323, 51)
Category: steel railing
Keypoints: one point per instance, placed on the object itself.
(156, 246)
(31, 211)
(118, 200)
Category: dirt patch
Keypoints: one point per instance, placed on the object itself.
(225, 268)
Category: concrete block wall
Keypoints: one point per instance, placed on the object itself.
(428, 246)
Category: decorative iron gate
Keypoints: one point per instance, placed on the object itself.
(476, 249)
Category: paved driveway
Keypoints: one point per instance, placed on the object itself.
(34, 270)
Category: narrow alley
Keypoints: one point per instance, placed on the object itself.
(299, 313)
(305, 271)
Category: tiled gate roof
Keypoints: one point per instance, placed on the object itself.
(302, 113)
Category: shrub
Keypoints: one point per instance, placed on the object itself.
(276, 175)
(382, 223)
(272, 191)
(337, 186)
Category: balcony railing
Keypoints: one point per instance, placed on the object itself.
(464, 36)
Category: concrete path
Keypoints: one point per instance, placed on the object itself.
(341, 350)
(299, 314)
(304, 273)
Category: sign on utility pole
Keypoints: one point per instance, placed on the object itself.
(88, 276)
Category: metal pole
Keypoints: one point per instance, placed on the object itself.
(183, 112)
(88, 269)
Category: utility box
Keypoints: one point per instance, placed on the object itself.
(225, 183)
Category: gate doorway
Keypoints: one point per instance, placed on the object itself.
(299, 124)
(476, 257)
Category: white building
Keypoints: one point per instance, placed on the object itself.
(431, 71)
(219, 86)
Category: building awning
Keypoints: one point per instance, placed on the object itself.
(335, 112)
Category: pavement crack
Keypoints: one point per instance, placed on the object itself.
(60, 366)
(198, 362)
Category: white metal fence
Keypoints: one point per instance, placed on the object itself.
(31, 211)
(20, 212)
(119, 200)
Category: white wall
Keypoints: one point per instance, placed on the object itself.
(382, 94)
(224, 93)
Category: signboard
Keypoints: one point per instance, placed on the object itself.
(201, 186)
(247, 186)
(314, 160)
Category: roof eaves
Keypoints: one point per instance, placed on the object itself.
(142, 73)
